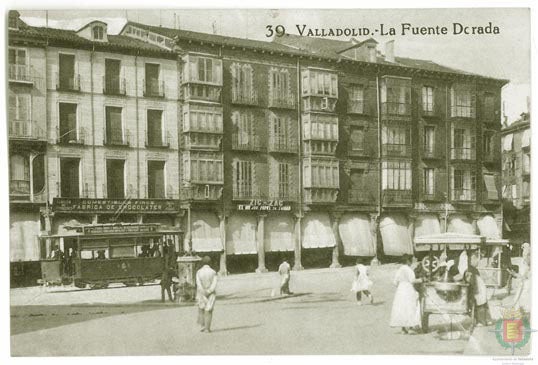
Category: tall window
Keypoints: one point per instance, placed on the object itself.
(320, 83)
(112, 76)
(429, 140)
(279, 84)
(68, 123)
(428, 181)
(205, 170)
(427, 99)
(463, 144)
(462, 102)
(114, 127)
(280, 131)
(324, 175)
(70, 177)
(357, 139)
(242, 82)
(283, 180)
(396, 96)
(356, 99)
(18, 64)
(19, 173)
(156, 180)
(98, 32)
(205, 69)
(395, 138)
(67, 80)
(155, 127)
(396, 175)
(20, 106)
(463, 185)
(153, 87)
(115, 179)
(243, 129)
(243, 179)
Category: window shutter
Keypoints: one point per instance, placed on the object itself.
(440, 183)
(217, 68)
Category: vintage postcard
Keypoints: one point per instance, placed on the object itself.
(269, 182)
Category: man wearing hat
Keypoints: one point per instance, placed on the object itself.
(206, 283)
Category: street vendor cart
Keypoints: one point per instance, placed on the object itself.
(495, 265)
(441, 292)
(97, 255)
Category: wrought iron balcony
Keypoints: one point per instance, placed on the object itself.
(72, 137)
(241, 142)
(397, 198)
(463, 153)
(282, 145)
(161, 141)
(116, 137)
(26, 130)
(153, 88)
(391, 149)
(114, 86)
(395, 108)
(68, 82)
(243, 191)
(282, 102)
(463, 195)
(240, 97)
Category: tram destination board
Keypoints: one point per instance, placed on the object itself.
(257, 205)
(73, 205)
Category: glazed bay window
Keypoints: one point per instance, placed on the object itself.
(198, 118)
(320, 83)
(243, 91)
(156, 180)
(205, 170)
(355, 101)
(428, 182)
(201, 69)
(155, 132)
(395, 140)
(280, 95)
(69, 177)
(114, 127)
(463, 144)
(153, 86)
(427, 100)
(67, 78)
(463, 185)
(395, 95)
(113, 83)
(323, 127)
(396, 175)
(244, 136)
(243, 180)
(462, 101)
(115, 179)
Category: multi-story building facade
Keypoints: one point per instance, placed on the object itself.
(516, 156)
(320, 149)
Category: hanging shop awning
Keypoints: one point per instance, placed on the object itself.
(317, 231)
(489, 181)
(426, 225)
(205, 232)
(395, 236)
(23, 236)
(487, 225)
(241, 235)
(356, 235)
(279, 234)
(461, 225)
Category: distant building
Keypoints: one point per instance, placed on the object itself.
(516, 151)
(318, 149)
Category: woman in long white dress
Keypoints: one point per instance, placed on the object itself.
(406, 307)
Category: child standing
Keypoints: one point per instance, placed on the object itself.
(362, 283)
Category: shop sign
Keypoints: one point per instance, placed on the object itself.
(83, 205)
(257, 205)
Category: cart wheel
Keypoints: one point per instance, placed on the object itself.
(425, 322)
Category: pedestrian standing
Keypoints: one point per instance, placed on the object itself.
(206, 284)
(362, 283)
(405, 308)
(285, 274)
(478, 292)
(166, 283)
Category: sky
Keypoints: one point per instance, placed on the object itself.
(505, 55)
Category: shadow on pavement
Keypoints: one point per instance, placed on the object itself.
(236, 328)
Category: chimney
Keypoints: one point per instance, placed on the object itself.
(389, 51)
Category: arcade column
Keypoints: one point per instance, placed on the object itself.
(187, 242)
(475, 217)
(374, 225)
(298, 243)
(335, 218)
(222, 225)
(261, 243)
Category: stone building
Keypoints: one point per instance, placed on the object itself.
(318, 150)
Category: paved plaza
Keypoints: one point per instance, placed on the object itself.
(321, 317)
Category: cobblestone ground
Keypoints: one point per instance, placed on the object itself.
(321, 317)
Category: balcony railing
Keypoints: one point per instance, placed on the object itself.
(319, 195)
(356, 107)
(284, 194)
(68, 83)
(153, 88)
(240, 97)
(75, 136)
(390, 149)
(463, 195)
(249, 143)
(283, 145)
(461, 153)
(397, 197)
(462, 112)
(27, 130)
(114, 86)
(162, 141)
(21, 73)
(395, 108)
(283, 102)
(429, 152)
(359, 196)
(201, 192)
(242, 191)
(116, 137)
